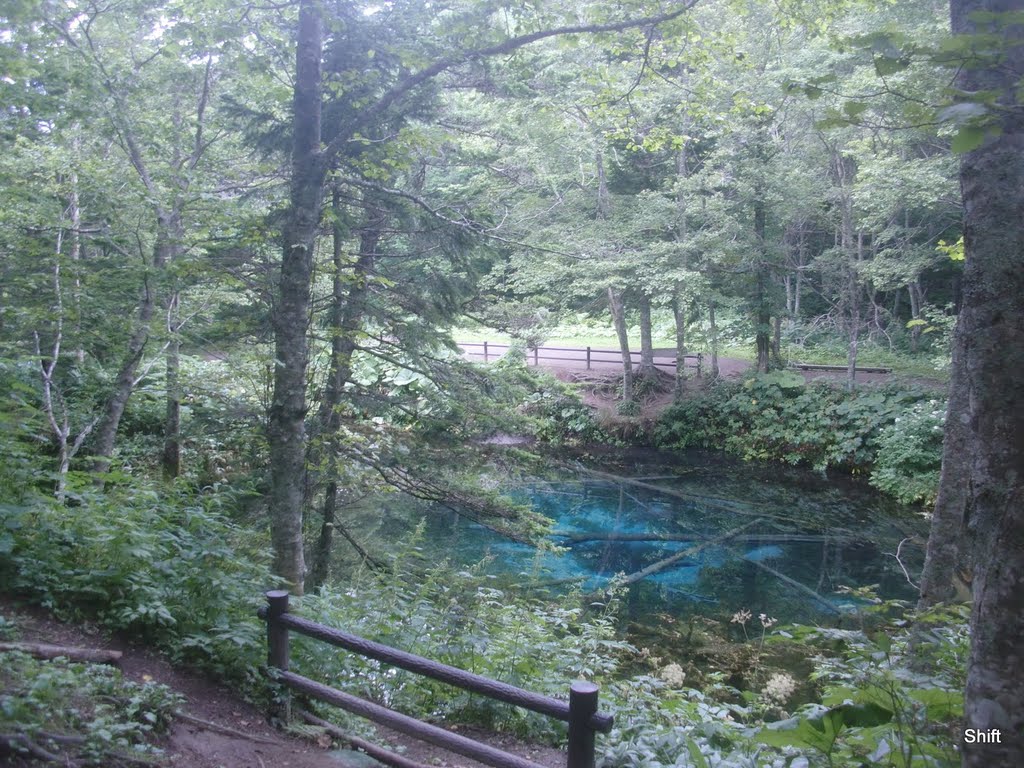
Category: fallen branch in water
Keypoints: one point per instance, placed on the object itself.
(793, 583)
(726, 505)
(753, 538)
(670, 561)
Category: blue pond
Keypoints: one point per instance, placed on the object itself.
(696, 533)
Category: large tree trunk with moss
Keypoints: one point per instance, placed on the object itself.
(286, 430)
(991, 344)
(945, 556)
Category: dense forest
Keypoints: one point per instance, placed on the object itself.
(242, 250)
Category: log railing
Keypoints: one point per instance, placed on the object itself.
(580, 712)
(490, 350)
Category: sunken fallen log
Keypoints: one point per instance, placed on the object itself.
(668, 562)
(710, 502)
(49, 652)
(753, 538)
(794, 583)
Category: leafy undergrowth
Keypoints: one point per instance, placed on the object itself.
(79, 714)
(168, 565)
(890, 433)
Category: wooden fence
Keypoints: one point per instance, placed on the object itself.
(580, 712)
(588, 355)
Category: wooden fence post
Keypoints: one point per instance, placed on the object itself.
(582, 706)
(588, 358)
(485, 351)
(277, 649)
(536, 356)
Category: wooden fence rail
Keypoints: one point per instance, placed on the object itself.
(492, 349)
(580, 712)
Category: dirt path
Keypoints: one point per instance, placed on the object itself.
(211, 744)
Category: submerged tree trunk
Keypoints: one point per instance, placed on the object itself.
(991, 342)
(286, 430)
(619, 319)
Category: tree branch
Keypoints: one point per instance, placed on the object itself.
(412, 82)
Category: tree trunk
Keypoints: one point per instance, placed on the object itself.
(777, 341)
(991, 338)
(853, 297)
(646, 343)
(604, 200)
(286, 430)
(171, 460)
(762, 309)
(715, 372)
(679, 314)
(762, 321)
(168, 239)
(945, 554)
(347, 312)
(914, 290)
(619, 319)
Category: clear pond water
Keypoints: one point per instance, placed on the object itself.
(702, 534)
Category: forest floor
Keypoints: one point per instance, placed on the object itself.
(224, 731)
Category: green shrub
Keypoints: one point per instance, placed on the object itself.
(86, 714)
(777, 417)
(909, 457)
(162, 563)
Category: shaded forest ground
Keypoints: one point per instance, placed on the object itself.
(600, 389)
(236, 734)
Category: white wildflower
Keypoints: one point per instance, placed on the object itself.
(767, 622)
(673, 675)
(779, 688)
(741, 616)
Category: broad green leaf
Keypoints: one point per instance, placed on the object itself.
(884, 65)
(967, 139)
